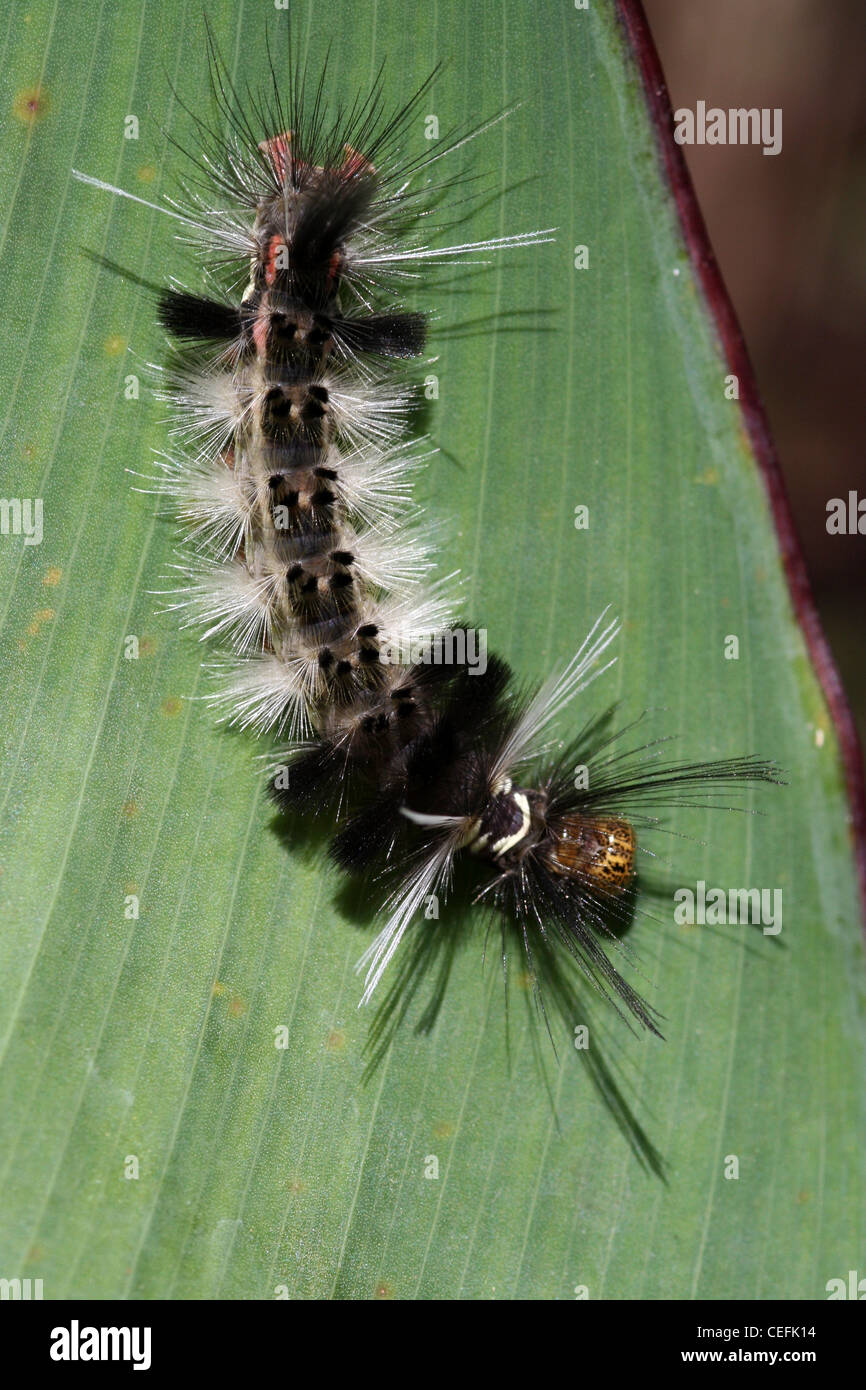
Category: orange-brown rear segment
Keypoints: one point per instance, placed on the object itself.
(601, 850)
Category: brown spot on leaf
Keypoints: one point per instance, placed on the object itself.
(171, 705)
(336, 1040)
(237, 1006)
(30, 105)
(130, 809)
(384, 1290)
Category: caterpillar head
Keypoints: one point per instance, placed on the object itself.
(508, 826)
(596, 851)
(303, 226)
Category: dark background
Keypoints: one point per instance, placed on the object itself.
(788, 234)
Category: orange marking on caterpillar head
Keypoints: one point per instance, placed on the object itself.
(260, 334)
(601, 850)
(355, 163)
(276, 258)
(334, 267)
(277, 151)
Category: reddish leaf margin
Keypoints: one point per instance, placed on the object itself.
(636, 26)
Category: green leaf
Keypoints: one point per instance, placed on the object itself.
(154, 1038)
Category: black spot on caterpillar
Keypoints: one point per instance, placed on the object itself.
(308, 558)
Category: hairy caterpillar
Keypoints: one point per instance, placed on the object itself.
(309, 562)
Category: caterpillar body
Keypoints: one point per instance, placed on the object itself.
(307, 557)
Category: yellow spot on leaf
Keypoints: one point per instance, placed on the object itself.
(336, 1040)
(443, 1130)
(146, 174)
(42, 615)
(384, 1290)
(52, 576)
(709, 478)
(30, 105)
(171, 705)
(237, 1006)
(36, 622)
(115, 344)
(130, 809)
(218, 988)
